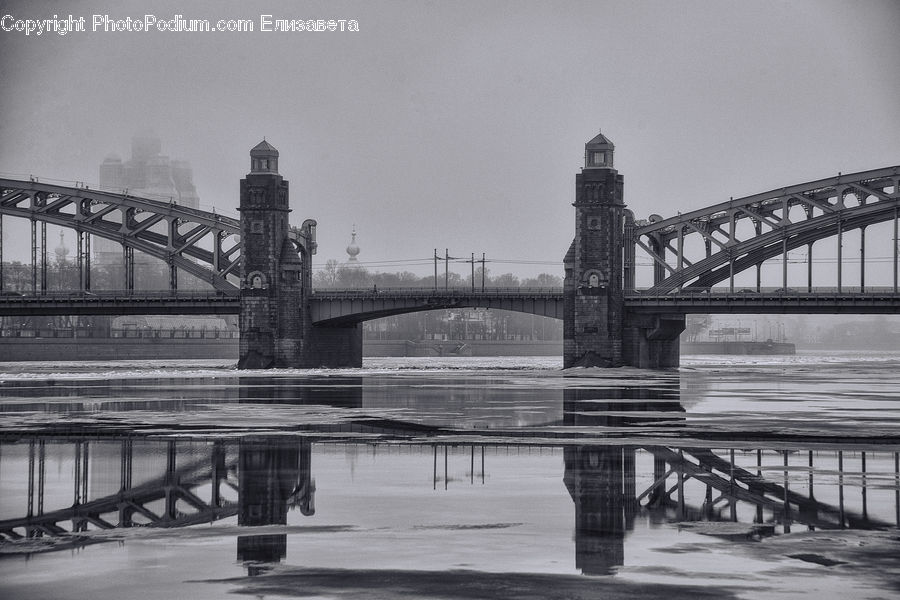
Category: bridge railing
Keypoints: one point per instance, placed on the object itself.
(374, 292)
(106, 295)
(766, 291)
(554, 292)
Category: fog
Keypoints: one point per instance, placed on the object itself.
(874, 334)
(462, 125)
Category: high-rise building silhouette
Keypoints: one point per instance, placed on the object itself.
(149, 174)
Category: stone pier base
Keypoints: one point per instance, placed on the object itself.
(652, 341)
(335, 347)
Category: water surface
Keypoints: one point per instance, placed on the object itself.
(750, 477)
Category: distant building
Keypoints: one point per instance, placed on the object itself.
(149, 174)
(61, 251)
(352, 249)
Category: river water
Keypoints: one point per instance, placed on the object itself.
(732, 477)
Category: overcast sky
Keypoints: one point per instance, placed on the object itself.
(462, 124)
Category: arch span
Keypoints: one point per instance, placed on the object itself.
(205, 244)
(779, 221)
(342, 308)
(165, 230)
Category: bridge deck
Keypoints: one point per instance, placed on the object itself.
(337, 307)
(118, 303)
(823, 301)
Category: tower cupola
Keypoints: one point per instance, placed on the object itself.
(61, 251)
(264, 158)
(353, 249)
(598, 153)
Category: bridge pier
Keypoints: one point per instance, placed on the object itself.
(276, 281)
(593, 288)
(273, 297)
(652, 341)
(597, 329)
(336, 347)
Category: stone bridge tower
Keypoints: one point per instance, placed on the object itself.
(598, 330)
(271, 321)
(594, 301)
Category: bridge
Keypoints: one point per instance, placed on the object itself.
(345, 307)
(326, 307)
(259, 266)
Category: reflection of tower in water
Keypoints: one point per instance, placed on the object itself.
(273, 477)
(601, 478)
(601, 482)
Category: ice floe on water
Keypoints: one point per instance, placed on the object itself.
(806, 358)
(150, 369)
(854, 397)
(541, 366)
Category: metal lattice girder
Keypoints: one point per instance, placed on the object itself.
(93, 211)
(744, 486)
(105, 512)
(824, 214)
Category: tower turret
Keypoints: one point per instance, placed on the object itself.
(264, 158)
(598, 153)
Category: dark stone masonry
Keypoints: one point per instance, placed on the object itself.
(273, 323)
(597, 330)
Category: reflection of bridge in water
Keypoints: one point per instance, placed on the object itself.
(699, 485)
(139, 482)
(696, 484)
(264, 476)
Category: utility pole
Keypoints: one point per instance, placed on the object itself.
(435, 268)
(472, 262)
(483, 269)
(447, 259)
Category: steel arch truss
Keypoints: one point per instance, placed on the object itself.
(172, 233)
(775, 229)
